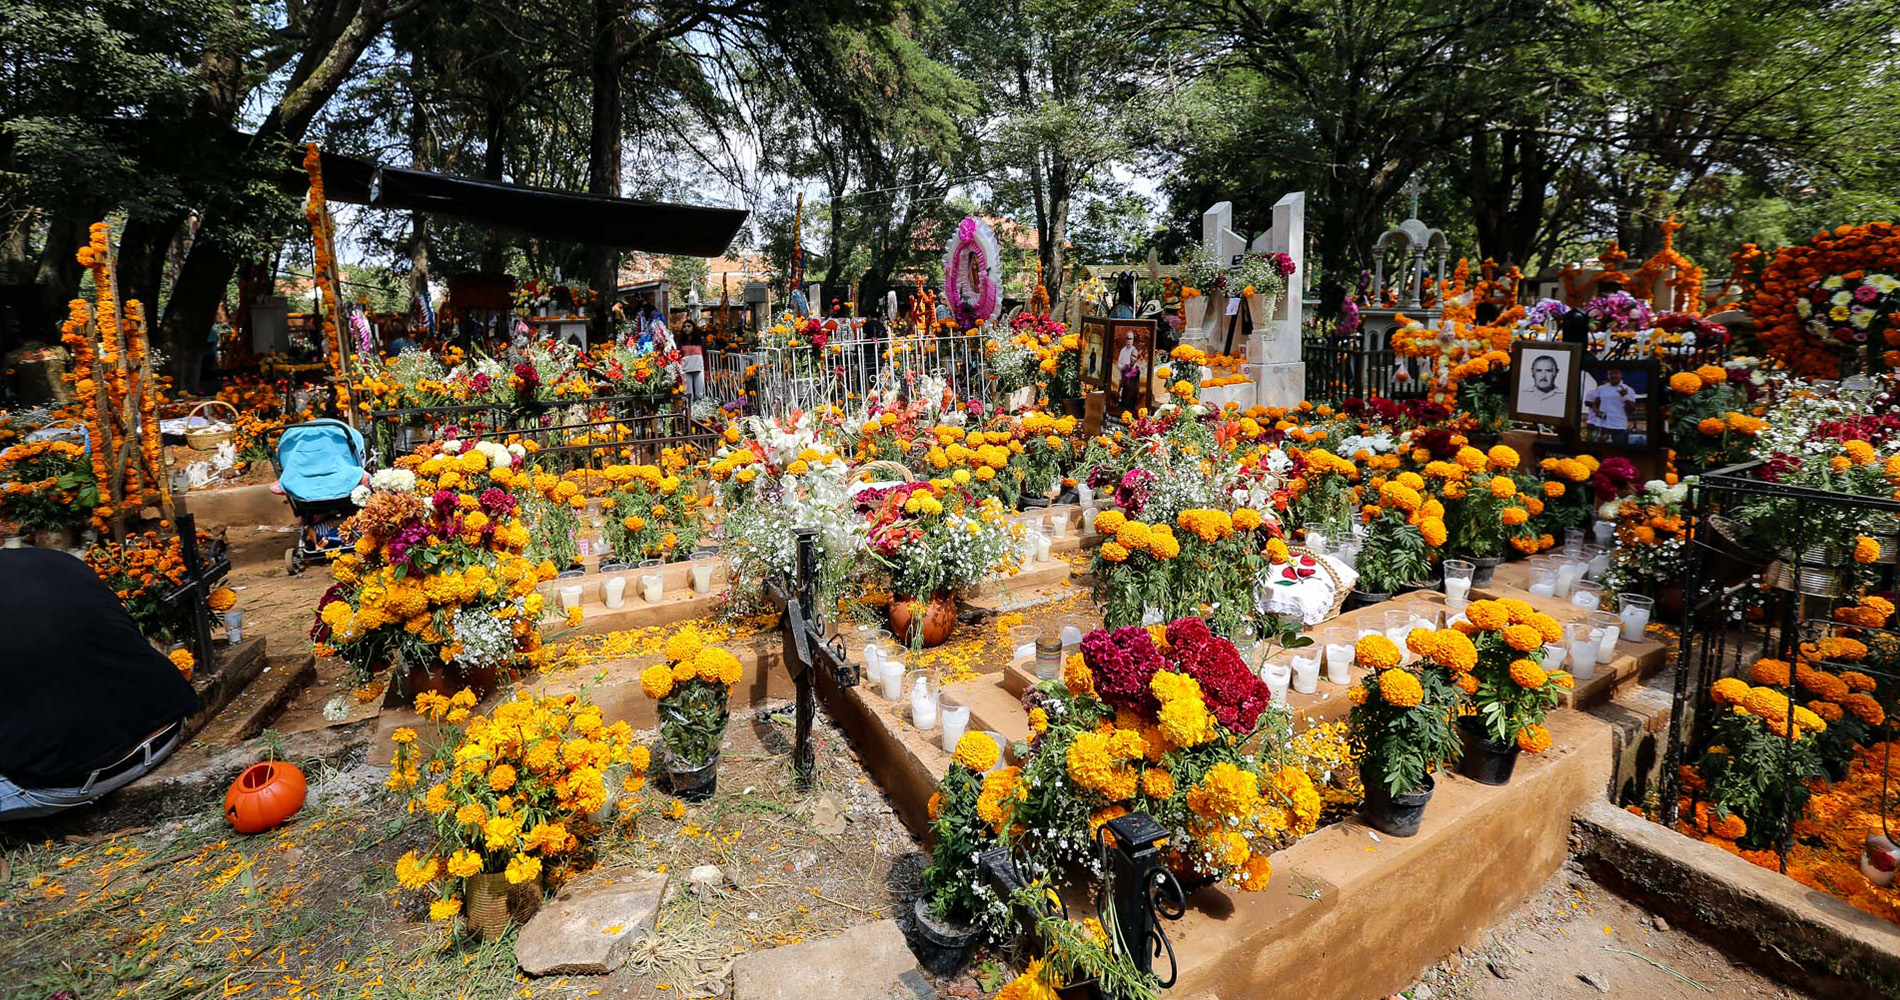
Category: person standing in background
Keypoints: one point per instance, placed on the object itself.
(692, 346)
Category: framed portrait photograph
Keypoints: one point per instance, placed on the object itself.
(1131, 365)
(1545, 383)
(1094, 335)
(1622, 403)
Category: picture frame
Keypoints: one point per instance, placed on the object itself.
(1094, 337)
(1621, 404)
(1545, 383)
(1130, 363)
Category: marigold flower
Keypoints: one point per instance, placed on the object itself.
(1400, 688)
(445, 909)
(1729, 691)
(1487, 614)
(977, 752)
(1523, 638)
(1533, 739)
(1528, 675)
(1686, 383)
(1376, 652)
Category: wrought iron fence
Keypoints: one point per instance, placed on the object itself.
(1335, 372)
(1746, 596)
(844, 372)
(590, 432)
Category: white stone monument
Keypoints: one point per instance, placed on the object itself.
(1273, 350)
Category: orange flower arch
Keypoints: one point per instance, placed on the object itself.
(1847, 250)
(1686, 285)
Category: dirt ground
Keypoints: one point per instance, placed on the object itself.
(312, 909)
(1573, 929)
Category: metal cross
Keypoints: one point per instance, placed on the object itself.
(1411, 190)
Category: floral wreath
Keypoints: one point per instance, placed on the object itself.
(974, 236)
(1851, 257)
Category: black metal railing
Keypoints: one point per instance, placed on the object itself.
(590, 432)
(1336, 372)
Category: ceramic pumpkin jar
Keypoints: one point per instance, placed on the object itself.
(263, 796)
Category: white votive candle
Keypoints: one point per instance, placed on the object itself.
(892, 678)
(1587, 595)
(1457, 592)
(1612, 628)
(1084, 494)
(615, 589)
(1634, 610)
(652, 587)
(923, 707)
(1277, 677)
(702, 578)
(1042, 546)
(956, 719)
(1059, 525)
(570, 597)
(1553, 656)
(1569, 571)
(1583, 650)
(1339, 662)
(1306, 673)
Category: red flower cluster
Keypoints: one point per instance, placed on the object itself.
(1613, 478)
(1232, 692)
(1123, 662)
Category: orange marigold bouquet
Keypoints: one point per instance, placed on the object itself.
(1710, 423)
(46, 484)
(510, 793)
(692, 688)
(1763, 751)
(1497, 660)
(1403, 720)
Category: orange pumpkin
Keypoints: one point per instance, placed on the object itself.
(263, 796)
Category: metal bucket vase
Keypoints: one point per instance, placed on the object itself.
(1817, 573)
(490, 903)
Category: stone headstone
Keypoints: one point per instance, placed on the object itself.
(866, 961)
(590, 931)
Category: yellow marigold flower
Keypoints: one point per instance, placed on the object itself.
(1376, 652)
(523, 868)
(1157, 783)
(1432, 529)
(1453, 649)
(1400, 688)
(1109, 522)
(1114, 551)
(464, 863)
(445, 909)
(1533, 739)
(1729, 691)
(501, 778)
(657, 681)
(1866, 550)
(1502, 457)
(412, 873)
(1245, 519)
(1686, 383)
(1488, 615)
(1769, 672)
(1859, 451)
(1522, 638)
(1277, 552)
(1528, 675)
(1514, 516)
(1553, 489)
(977, 752)
(1076, 676)
(1546, 626)
(1712, 374)
(684, 644)
(1712, 425)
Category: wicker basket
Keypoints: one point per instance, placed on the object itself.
(881, 469)
(1340, 590)
(205, 439)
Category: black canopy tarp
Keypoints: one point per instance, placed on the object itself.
(649, 226)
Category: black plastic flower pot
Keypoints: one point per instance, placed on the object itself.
(942, 948)
(1366, 598)
(692, 781)
(1483, 568)
(1485, 761)
(1394, 815)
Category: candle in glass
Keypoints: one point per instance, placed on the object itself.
(1048, 658)
(1543, 579)
(923, 702)
(1277, 677)
(234, 626)
(1582, 639)
(1598, 558)
(702, 572)
(1022, 642)
(1634, 609)
(1306, 671)
(955, 716)
(1042, 546)
(1573, 542)
(570, 597)
(1088, 519)
(652, 581)
(1587, 595)
(1569, 571)
(1398, 625)
(1073, 628)
(1612, 628)
(1059, 524)
(1084, 493)
(1604, 531)
(892, 677)
(1554, 654)
(1348, 553)
(1458, 583)
(1339, 654)
(615, 590)
(1316, 538)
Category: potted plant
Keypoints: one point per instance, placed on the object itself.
(1259, 279)
(932, 541)
(950, 909)
(46, 487)
(1203, 272)
(503, 795)
(1401, 723)
(1510, 690)
(1487, 510)
(648, 513)
(1755, 775)
(1397, 546)
(692, 688)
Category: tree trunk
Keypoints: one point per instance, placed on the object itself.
(494, 249)
(59, 270)
(603, 155)
(143, 249)
(1054, 258)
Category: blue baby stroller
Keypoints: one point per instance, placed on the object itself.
(319, 463)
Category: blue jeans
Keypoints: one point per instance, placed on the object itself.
(19, 802)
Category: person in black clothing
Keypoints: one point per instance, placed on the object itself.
(90, 704)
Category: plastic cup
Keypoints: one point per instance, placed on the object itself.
(1634, 609)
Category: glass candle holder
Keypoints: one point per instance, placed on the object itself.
(613, 590)
(702, 572)
(1598, 558)
(1022, 642)
(1569, 572)
(1582, 639)
(1612, 628)
(1573, 542)
(1543, 580)
(1074, 627)
(1278, 677)
(1306, 670)
(1347, 552)
(955, 717)
(1635, 610)
(652, 581)
(234, 625)
(1587, 595)
(1059, 524)
(1398, 625)
(1048, 658)
(891, 677)
(1555, 654)
(1084, 493)
(1603, 531)
(1089, 513)
(1316, 538)
(570, 596)
(1339, 642)
(1458, 582)
(1042, 546)
(923, 699)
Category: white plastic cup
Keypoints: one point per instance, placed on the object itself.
(1306, 673)
(955, 717)
(234, 626)
(614, 589)
(1583, 640)
(1634, 609)
(570, 597)
(1612, 628)
(1278, 676)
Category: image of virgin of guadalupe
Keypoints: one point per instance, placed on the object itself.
(970, 287)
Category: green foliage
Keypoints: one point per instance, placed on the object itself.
(1400, 746)
(1759, 776)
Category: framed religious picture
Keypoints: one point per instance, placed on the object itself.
(1544, 383)
(1094, 336)
(1622, 403)
(1131, 364)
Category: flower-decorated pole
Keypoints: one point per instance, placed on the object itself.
(112, 374)
(323, 244)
